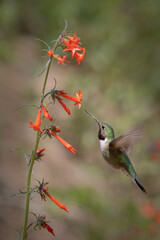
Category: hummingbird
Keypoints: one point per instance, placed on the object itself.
(115, 150)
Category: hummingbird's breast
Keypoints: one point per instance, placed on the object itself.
(104, 145)
(109, 158)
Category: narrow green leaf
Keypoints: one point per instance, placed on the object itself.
(44, 67)
(16, 195)
(32, 191)
(28, 105)
(21, 150)
(38, 39)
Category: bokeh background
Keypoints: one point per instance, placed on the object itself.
(120, 82)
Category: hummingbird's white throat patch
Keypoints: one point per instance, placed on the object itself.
(104, 144)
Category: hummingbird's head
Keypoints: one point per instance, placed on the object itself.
(105, 130)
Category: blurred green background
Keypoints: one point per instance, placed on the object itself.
(120, 84)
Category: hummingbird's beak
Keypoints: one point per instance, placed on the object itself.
(93, 117)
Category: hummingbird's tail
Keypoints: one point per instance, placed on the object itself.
(137, 180)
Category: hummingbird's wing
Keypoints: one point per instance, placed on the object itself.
(126, 142)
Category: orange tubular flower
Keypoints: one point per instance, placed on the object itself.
(50, 53)
(43, 191)
(73, 49)
(37, 124)
(80, 56)
(72, 41)
(76, 99)
(58, 203)
(64, 106)
(39, 153)
(45, 113)
(61, 59)
(41, 223)
(67, 145)
(49, 229)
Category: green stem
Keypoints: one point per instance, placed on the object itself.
(44, 96)
(45, 81)
(28, 186)
(24, 234)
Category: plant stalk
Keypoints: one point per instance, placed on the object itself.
(24, 234)
(45, 80)
(28, 187)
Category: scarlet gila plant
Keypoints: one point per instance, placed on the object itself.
(70, 45)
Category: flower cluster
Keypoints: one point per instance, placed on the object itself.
(70, 43)
(55, 94)
(52, 130)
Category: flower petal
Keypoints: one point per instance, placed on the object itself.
(49, 229)
(76, 99)
(67, 145)
(37, 124)
(58, 203)
(50, 53)
(64, 106)
(61, 59)
(45, 113)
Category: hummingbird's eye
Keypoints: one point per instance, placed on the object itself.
(103, 127)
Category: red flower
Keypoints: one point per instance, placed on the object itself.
(37, 124)
(61, 59)
(43, 191)
(49, 229)
(56, 94)
(39, 153)
(158, 144)
(45, 113)
(64, 106)
(157, 217)
(80, 56)
(50, 53)
(148, 210)
(73, 49)
(76, 99)
(41, 223)
(67, 145)
(154, 150)
(58, 203)
(72, 44)
(72, 40)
